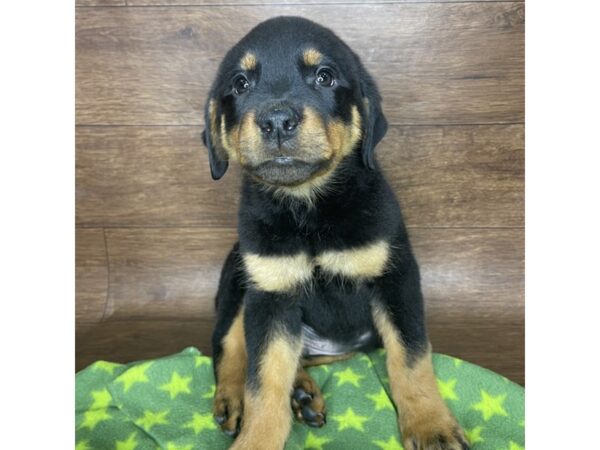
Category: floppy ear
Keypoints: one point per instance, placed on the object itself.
(217, 156)
(374, 122)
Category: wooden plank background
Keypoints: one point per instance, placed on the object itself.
(153, 229)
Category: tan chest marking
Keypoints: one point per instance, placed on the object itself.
(278, 273)
(285, 273)
(362, 262)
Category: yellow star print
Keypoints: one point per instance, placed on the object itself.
(348, 376)
(474, 435)
(210, 393)
(82, 445)
(201, 422)
(325, 368)
(177, 385)
(94, 417)
(514, 446)
(350, 420)
(316, 442)
(446, 388)
(102, 399)
(367, 360)
(382, 401)
(106, 366)
(172, 446)
(129, 444)
(201, 361)
(391, 444)
(134, 375)
(150, 419)
(490, 406)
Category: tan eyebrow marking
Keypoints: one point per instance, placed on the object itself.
(248, 61)
(312, 57)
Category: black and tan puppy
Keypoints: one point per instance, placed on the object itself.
(323, 265)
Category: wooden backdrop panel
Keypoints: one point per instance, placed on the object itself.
(255, 2)
(173, 272)
(125, 341)
(91, 276)
(140, 176)
(435, 63)
(443, 175)
(457, 176)
(472, 279)
(240, 2)
(165, 272)
(154, 229)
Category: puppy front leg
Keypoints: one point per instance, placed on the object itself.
(273, 339)
(425, 421)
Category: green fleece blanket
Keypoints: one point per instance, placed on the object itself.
(166, 404)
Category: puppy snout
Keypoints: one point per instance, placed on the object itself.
(279, 123)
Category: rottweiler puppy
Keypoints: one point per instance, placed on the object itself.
(323, 266)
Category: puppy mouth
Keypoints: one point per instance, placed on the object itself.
(287, 170)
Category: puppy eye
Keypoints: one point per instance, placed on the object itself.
(240, 84)
(325, 78)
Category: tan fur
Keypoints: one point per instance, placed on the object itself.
(248, 62)
(231, 373)
(312, 57)
(334, 140)
(278, 273)
(215, 137)
(267, 415)
(230, 140)
(250, 140)
(362, 262)
(325, 359)
(317, 141)
(305, 382)
(422, 413)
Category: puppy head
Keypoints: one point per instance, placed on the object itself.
(289, 103)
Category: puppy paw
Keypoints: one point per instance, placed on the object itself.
(434, 438)
(228, 408)
(307, 401)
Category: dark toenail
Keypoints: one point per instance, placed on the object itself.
(302, 397)
(220, 419)
(310, 414)
(232, 433)
(318, 422)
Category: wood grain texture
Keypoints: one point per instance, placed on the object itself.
(91, 276)
(165, 273)
(473, 273)
(132, 340)
(159, 176)
(457, 176)
(497, 346)
(150, 176)
(493, 345)
(435, 62)
(472, 282)
(100, 2)
(276, 2)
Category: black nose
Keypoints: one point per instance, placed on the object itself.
(280, 122)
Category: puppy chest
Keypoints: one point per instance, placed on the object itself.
(285, 273)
